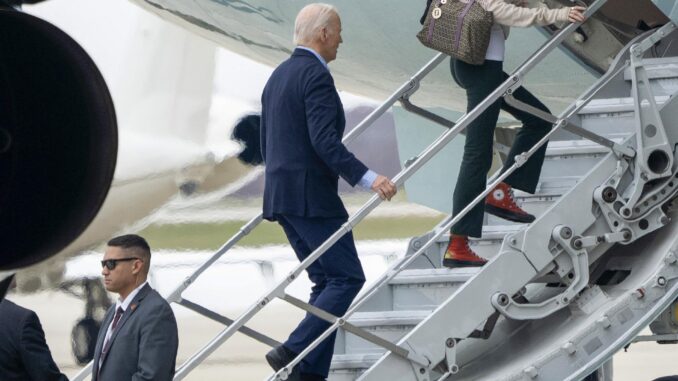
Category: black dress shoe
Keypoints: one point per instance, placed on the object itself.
(279, 357)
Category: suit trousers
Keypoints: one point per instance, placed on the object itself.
(479, 81)
(337, 278)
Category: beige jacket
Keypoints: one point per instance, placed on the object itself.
(507, 14)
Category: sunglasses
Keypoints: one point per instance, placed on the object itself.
(111, 263)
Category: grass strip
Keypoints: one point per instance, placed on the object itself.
(212, 236)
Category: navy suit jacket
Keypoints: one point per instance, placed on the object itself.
(144, 344)
(302, 123)
(24, 355)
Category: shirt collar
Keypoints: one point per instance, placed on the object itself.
(128, 300)
(322, 60)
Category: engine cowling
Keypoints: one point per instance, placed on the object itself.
(58, 139)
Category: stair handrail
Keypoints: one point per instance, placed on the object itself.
(408, 87)
(514, 81)
(367, 122)
(278, 291)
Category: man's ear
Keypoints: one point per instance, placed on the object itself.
(137, 267)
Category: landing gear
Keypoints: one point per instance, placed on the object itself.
(85, 331)
(84, 339)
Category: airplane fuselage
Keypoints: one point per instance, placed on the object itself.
(380, 51)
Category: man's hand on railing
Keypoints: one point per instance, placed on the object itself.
(384, 187)
(576, 14)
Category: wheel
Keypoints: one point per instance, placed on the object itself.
(84, 339)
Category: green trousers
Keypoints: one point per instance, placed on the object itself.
(479, 81)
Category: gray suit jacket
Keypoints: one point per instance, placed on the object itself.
(144, 344)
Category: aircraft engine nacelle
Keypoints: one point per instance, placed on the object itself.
(58, 139)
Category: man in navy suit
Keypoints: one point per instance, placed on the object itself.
(24, 355)
(302, 124)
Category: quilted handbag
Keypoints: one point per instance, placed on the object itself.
(461, 30)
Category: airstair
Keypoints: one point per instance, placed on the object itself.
(559, 296)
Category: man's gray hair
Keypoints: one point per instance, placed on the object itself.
(310, 20)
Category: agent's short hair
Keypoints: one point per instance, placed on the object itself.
(307, 28)
(136, 245)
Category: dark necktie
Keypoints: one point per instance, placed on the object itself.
(104, 350)
(116, 319)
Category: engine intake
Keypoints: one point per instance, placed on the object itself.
(58, 139)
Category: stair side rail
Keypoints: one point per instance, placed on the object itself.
(513, 82)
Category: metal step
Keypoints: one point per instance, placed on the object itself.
(389, 325)
(418, 289)
(571, 159)
(348, 367)
(662, 72)
(564, 164)
(425, 289)
(535, 204)
(487, 246)
(402, 303)
(613, 118)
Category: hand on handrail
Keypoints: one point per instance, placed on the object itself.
(384, 187)
(576, 14)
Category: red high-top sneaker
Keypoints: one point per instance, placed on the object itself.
(501, 204)
(458, 254)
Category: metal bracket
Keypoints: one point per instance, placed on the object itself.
(595, 240)
(531, 311)
(409, 106)
(618, 149)
(451, 356)
(587, 241)
(284, 374)
(517, 80)
(421, 372)
(226, 321)
(412, 356)
(412, 87)
(655, 154)
(627, 225)
(640, 48)
(435, 118)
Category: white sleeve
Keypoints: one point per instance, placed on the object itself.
(508, 14)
